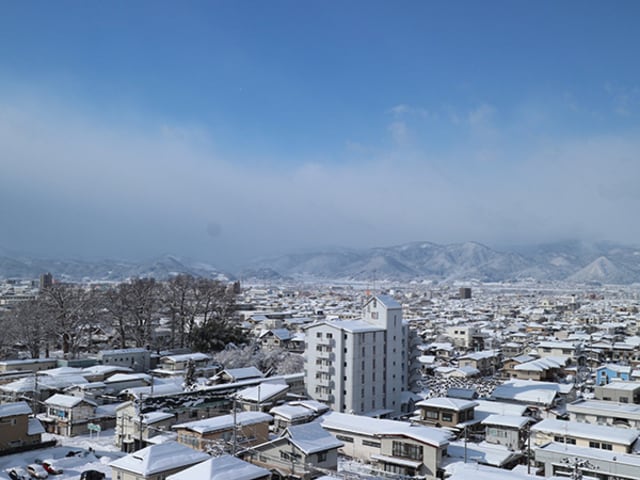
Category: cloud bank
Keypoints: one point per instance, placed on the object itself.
(75, 184)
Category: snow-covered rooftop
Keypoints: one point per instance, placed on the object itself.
(14, 408)
(625, 436)
(159, 458)
(359, 424)
(65, 401)
(224, 422)
(312, 438)
(455, 404)
(262, 392)
(225, 467)
(506, 421)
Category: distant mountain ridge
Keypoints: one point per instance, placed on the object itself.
(104, 270)
(572, 261)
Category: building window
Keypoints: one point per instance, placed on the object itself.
(369, 443)
(447, 417)
(344, 438)
(407, 450)
(322, 457)
(319, 335)
(432, 414)
(289, 456)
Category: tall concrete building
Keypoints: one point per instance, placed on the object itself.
(46, 281)
(360, 366)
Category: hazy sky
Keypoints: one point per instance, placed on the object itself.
(225, 130)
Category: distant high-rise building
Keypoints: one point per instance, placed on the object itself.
(360, 366)
(46, 281)
(465, 292)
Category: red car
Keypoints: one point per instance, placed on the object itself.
(50, 468)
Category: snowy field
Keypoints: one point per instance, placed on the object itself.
(94, 453)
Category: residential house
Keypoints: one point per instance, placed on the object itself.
(482, 453)
(93, 391)
(99, 373)
(302, 451)
(618, 391)
(508, 430)
(556, 349)
(295, 413)
(606, 373)
(459, 470)
(177, 365)
(68, 415)
(232, 375)
(17, 428)
(138, 359)
(584, 435)
(28, 365)
(543, 397)
(275, 338)
(398, 448)
(540, 369)
(262, 397)
(446, 412)
(156, 462)
(487, 362)
(224, 467)
(599, 412)
(135, 431)
(605, 464)
(463, 336)
(227, 432)
(119, 382)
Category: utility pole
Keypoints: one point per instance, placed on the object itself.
(465, 444)
(34, 407)
(528, 447)
(140, 418)
(235, 427)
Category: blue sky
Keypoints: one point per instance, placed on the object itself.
(228, 130)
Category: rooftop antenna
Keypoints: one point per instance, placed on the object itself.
(374, 281)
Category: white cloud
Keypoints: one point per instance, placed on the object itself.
(91, 188)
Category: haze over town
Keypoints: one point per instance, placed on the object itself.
(225, 132)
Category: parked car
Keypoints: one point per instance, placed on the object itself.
(92, 475)
(37, 471)
(17, 473)
(76, 453)
(51, 468)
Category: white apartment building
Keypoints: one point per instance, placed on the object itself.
(359, 366)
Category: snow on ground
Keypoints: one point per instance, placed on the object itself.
(96, 452)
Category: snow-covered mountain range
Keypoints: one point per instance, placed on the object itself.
(23, 267)
(572, 261)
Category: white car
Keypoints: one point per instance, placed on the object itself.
(37, 471)
(17, 473)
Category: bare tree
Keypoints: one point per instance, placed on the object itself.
(134, 310)
(74, 312)
(181, 306)
(25, 325)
